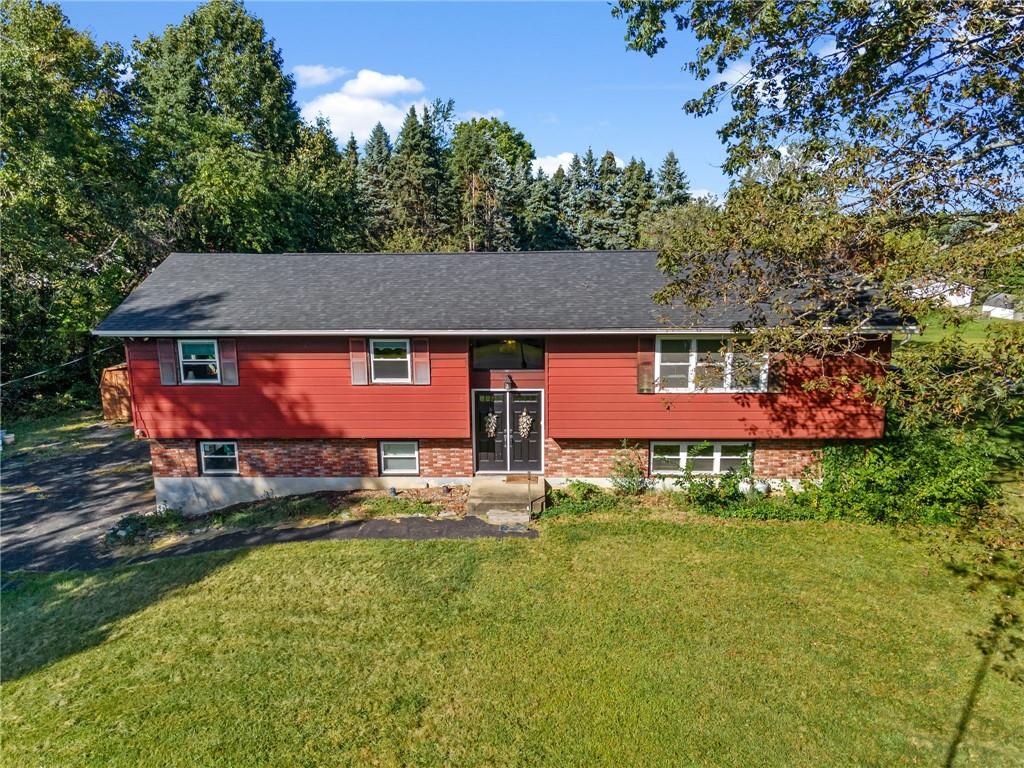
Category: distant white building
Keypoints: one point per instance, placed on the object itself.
(952, 293)
(1004, 306)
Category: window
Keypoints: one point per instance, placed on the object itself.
(399, 457)
(708, 364)
(199, 362)
(389, 361)
(508, 354)
(218, 458)
(702, 458)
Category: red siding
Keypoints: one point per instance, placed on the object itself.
(295, 387)
(591, 393)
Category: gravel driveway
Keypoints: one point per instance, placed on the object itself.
(55, 510)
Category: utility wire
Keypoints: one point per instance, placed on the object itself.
(62, 365)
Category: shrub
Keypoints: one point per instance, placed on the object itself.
(629, 471)
(931, 477)
(131, 527)
(578, 498)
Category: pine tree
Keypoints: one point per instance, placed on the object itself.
(420, 188)
(545, 230)
(609, 217)
(636, 190)
(673, 186)
(373, 187)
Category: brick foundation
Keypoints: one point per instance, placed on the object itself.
(446, 458)
(786, 459)
(584, 458)
(312, 458)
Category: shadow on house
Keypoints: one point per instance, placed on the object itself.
(48, 618)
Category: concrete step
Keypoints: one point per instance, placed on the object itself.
(499, 502)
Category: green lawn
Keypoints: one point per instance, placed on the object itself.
(622, 642)
(41, 438)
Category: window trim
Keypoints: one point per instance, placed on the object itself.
(202, 458)
(415, 455)
(762, 385)
(182, 361)
(684, 449)
(408, 362)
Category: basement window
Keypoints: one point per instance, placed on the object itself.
(218, 457)
(703, 458)
(399, 457)
(199, 361)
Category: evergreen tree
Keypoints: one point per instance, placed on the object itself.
(636, 190)
(420, 188)
(673, 187)
(482, 176)
(373, 187)
(609, 229)
(545, 230)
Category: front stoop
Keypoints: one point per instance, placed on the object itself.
(506, 500)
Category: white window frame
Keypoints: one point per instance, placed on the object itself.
(202, 458)
(182, 361)
(684, 448)
(414, 455)
(691, 386)
(408, 362)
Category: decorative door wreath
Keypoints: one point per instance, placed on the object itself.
(525, 424)
(491, 424)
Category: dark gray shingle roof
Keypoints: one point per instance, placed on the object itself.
(193, 293)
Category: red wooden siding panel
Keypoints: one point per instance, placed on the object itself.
(302, 388)
(592, 393)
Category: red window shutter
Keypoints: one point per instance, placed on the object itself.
(421, 361)
(228, 362)
(166, 353)
(357, 361)
(645, 364)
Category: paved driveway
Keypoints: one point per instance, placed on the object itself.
(54, 511)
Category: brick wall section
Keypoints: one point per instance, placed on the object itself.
(583, 458)
(446, 457)
(786, 459)
(174, 458)
(313, 458)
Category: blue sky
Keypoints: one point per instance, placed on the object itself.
(559, 72)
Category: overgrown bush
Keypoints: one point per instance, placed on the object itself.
(935, 476)
(578, 498)
(131, 528)
(629, 470)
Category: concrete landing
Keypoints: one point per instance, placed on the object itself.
(506, 499)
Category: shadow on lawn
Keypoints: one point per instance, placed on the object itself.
(47, 618)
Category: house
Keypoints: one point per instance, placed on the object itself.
(1004, 306)
(949, 292)
(276, 374)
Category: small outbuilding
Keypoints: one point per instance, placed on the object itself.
(115, 393)
(1004, 306)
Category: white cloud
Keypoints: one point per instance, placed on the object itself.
(732, 75)
(370, 84)
(550, 163)
(739, 71)
(365, 100)
(307, 75)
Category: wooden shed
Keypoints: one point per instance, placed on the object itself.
(115, 393)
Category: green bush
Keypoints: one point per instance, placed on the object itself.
(578, 498)
(131, 527)
(629, 470)
(932, 477)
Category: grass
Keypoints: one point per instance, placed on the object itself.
(623, 642)
(975, 328)
(43, 438)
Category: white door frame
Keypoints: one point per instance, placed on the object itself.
(508, 429)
